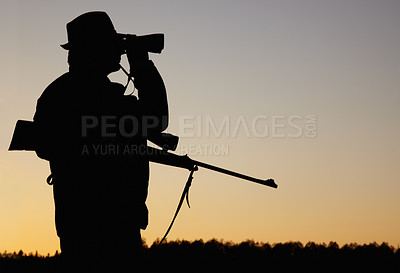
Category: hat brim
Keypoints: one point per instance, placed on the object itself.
(66, 46)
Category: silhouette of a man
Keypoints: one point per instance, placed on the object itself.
(89, 132)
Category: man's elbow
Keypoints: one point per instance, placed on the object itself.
(163, 123)
(162, 119)
(155, 124)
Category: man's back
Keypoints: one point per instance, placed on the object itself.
(91, 173)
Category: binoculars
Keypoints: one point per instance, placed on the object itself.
(153, 43)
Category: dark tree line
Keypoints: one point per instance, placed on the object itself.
(247, 256)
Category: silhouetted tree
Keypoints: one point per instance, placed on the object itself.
(248, 256)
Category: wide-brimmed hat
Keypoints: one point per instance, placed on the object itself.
(91, 28)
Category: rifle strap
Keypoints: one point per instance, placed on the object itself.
(185, 193)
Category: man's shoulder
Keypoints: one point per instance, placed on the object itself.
(62, 82)
(57, 86)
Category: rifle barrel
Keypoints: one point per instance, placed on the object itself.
(183, 161)
(268, 182)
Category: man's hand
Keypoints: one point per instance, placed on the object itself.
(137, 58)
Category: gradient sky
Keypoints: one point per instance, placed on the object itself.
(275, 64)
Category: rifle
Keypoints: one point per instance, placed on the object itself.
(24, 139)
